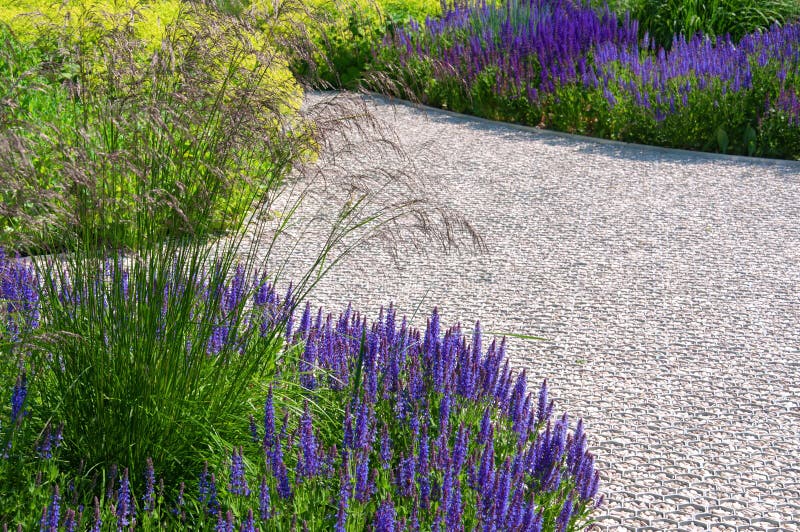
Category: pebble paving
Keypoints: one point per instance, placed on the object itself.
(667, 285)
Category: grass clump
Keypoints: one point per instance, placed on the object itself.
(110, 139)
(664, 20)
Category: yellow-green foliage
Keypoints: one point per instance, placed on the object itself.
(34, 21)
(419, 9)
(343, 32)
(30, 19)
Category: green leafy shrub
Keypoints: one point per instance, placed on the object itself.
(344, 34)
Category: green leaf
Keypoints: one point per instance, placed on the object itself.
(750, 137)
(722, 139)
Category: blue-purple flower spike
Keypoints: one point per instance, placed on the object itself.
(564, 517)
(125, 507)
(249, 523)
(51, 515)
(18, 397)
(238, 481)
(309, 464)
(263, 500)
(149, 492)
(385, 517)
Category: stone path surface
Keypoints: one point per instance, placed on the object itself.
(667, 284)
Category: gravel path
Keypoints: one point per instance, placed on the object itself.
(667, 283)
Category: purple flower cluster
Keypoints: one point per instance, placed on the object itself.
(788, 104)
(664, 81)
(19, 296)
(534, 46)
(532, 51)
(435, 421)
(454, 407)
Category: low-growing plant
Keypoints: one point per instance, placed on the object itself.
(562, 65)
(377, 427)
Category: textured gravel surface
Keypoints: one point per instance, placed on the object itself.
(667, 284)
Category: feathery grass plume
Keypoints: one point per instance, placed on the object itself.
(153, 342)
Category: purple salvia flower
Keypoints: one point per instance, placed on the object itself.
(416, 383)
(305, 322)
(502, 492)
(44, 446)
(576, 448)
(249, 524)
(413, 422)
(178, 510)
(486, 427)
(308, 445)
(362, 477)
(477, 341)
(280, 472)
(269, 422)
(455, 509)
(515, 511)
(125, 508)
(238, 481)
(517, 401)
(52, 513)
(216, 342)
(385, 518)
(308, 361)
(349, 438)
(486, 470)
(413, 525)
(544, 409)
(18, 397)
(363, 428)
(202, 485)
(225, 524)
(436, 526)
(253, 429)
(212, 507)
(149, 492)
(423, 469)
(431, 338)
(444, 421)
(564, 517)
(57, 437)
(407, 473)
(537, 523)
(69, 520)
(587, 479)
(460, 449)
(263, 500)
(98, 521)
(345, 491)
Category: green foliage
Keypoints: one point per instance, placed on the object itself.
(662, 19)
(112, 140)
(346, 34)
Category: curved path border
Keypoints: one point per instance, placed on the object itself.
(667, 283)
